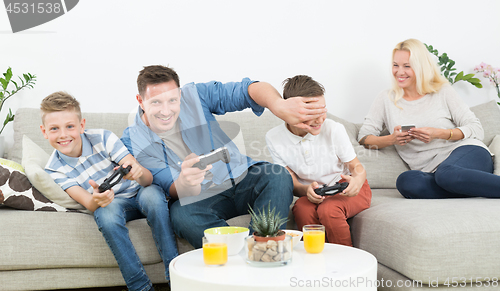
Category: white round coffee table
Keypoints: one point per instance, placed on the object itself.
(337, 267)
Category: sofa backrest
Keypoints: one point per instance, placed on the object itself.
(250, 139)
(382, 166)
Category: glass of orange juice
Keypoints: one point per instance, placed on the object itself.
(314, 238)
(214, 253)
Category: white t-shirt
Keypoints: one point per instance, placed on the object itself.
(317, 158)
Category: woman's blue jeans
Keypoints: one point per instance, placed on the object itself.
(150, 202)
(263, 183)
(467, 172)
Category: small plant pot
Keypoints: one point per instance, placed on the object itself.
(281, 236)
(269, 253)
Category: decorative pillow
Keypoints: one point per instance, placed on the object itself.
(17, 192)
(34, 161)
(495, 149)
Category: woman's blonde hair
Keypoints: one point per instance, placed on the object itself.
(427, 73)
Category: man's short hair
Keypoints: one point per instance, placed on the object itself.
(60, 101)
(157, 74)
(302, 85)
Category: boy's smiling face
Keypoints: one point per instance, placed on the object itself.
(314, 125)
(63, 129)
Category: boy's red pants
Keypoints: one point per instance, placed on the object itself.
(333, 213)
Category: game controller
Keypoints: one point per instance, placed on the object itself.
(220, 154)
(331, 190)
(111, 181)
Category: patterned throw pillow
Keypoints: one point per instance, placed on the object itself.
(17, 192)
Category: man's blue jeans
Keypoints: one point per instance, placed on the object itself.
(263, 183)
(151, 203)
(467, 172)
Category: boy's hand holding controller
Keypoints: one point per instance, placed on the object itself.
(354, 186)
(312, 196)
(102, 199)
(135, 172)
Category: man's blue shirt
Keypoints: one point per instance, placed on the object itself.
(200, 132)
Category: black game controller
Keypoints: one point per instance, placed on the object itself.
(109, 183)
(331, 190)
(220, 154)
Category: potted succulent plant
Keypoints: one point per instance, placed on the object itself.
(268, 243)
(266, 224)
(27, 81)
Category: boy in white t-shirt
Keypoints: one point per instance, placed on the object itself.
(316, 154)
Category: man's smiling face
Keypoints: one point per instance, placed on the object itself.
(161, 104)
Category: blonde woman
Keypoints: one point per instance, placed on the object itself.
(444, 149)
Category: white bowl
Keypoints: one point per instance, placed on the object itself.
(233, 236)
(295, 234)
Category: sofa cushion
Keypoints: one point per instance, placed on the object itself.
(431, 239)
(34, 160)
(495, 149)
(489, 115)
(382, 166)
(44, 240)
(17, 191)
(252, 141)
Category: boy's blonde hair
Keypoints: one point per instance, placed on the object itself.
(60, 101)
(427, 73)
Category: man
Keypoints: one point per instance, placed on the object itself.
(174, 126)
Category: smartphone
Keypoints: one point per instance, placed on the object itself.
(407, 127)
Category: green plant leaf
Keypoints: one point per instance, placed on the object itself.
(8, 75)
(459, 76)
(4, 83)
(474, 80)
(451, 64)
(8, 118)
(467, 77)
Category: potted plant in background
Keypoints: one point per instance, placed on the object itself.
(447, 69)
(268, 243)
(493, 74)
(27, 81)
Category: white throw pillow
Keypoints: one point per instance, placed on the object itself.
(34, 161)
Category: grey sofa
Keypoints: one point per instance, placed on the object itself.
(428, 242)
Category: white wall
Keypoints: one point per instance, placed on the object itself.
(96, 50)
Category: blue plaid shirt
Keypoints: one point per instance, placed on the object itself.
(101, 152)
